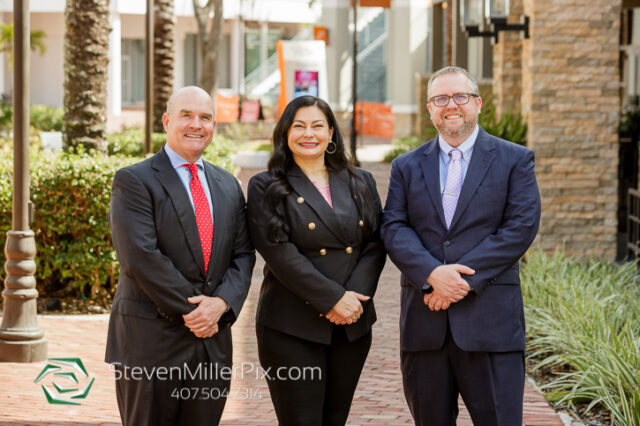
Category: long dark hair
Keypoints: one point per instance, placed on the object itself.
(282, 160)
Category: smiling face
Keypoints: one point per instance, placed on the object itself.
(189, 122)
(309, 134)
(455, 123)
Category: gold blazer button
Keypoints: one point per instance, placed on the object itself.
(349, 250)
(312, 226)
(300, 200)
(361, 223)
(323, 252)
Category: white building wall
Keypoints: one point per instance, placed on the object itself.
(47, 71)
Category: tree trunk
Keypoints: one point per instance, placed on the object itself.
(163, 58)
(209, 40)
(86, 60)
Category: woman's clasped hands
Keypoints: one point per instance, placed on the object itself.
(348, 309)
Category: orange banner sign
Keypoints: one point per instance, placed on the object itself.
(227, 108)
(321, 33)
(375, 3)
(374, 119)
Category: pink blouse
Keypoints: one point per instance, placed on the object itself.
(325, 191)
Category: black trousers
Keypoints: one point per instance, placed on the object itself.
(491, 385)
(195, 398)
(311, 383)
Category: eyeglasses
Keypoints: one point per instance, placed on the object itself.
(458, 98)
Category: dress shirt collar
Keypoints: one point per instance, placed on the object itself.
(177, 160)
(466, 147)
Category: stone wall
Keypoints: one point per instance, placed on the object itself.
(571, 98)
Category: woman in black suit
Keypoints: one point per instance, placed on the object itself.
(315, 220)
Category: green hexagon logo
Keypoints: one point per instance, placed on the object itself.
(64, 385)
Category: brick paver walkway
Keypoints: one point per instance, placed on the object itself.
(378, 400)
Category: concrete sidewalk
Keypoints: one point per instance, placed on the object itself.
(378, 400)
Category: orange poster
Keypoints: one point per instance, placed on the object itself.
(374, 119)
(321, 33)
(375, 3)
(227, 108)
(383, 121)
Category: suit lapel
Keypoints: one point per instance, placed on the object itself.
(170, 180)
(481, 159)
(431, 170)
(305, 188)
(219, 220)
(344, 207)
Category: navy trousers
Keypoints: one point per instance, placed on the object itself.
(491, 385)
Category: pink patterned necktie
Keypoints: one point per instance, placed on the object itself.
(453, 186)
(203, 213)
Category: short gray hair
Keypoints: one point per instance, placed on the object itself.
(453, 70)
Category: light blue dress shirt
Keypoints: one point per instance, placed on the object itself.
(467, 150)
(185, 175)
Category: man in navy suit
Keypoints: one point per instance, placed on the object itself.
(461, 211)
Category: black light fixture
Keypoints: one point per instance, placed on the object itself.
(486, 18)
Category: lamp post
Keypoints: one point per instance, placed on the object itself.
(486, 18)
(354, 84)
(21, 339)
(148, 81)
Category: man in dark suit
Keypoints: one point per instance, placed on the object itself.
(461, 211)
(179, 228)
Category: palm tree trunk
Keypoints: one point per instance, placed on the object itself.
(86, 60)
(163, 59)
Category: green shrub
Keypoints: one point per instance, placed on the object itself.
(130, 142)
(45, 118)
(583, 320)
(403, 145)
(42, 118)
(71, 198)
(630, 124)
(6, 116)
(71, 193)
(511, 127)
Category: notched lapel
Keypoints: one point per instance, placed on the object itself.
(481, 159)
(180, 200)
(305, 188)
(430, 164)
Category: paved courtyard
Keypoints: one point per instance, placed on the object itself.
(378, 400)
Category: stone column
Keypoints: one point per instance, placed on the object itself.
(507, 65)
(571, 86)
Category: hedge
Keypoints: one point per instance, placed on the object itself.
(71, 193)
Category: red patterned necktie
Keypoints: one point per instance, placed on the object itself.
(203, 213)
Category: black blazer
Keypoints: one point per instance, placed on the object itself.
(155, 234)
(323, 255)
(495, 221)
